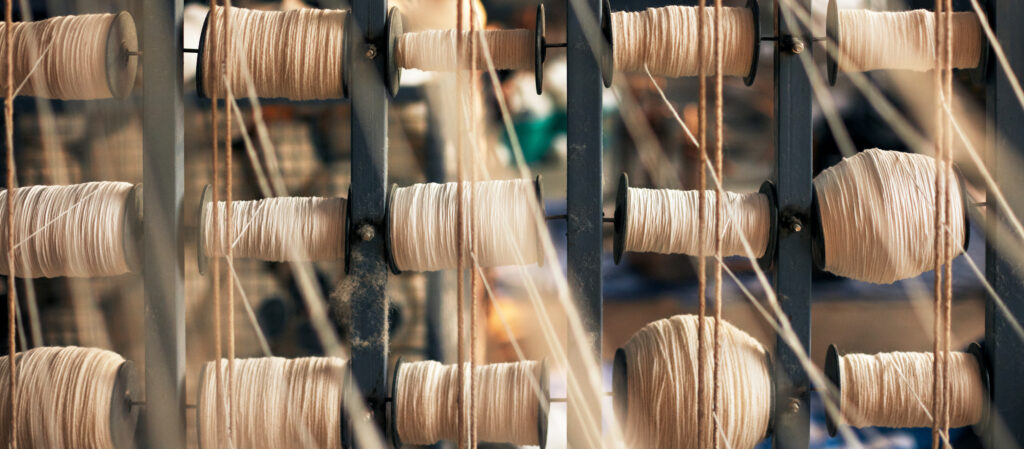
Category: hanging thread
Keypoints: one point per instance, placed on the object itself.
(64, 397)
(75, 230)
(667, 221)
(280, 229)
(506, 403)
(904, 40)
(294, 54)
(424, 223)
(277, 403)
(65, 55)
(894, 389)
(435, 50)
(667, 40)
(662, 375)
(877, 215)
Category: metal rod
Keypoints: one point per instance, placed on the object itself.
(163, 169)
(793, 146)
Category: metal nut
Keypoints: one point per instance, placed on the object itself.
(366, 232)
(371, 51)
(794, 405)
(795, 225)
(797, 47)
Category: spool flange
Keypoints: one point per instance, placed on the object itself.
(767, 260)
(124, 416)
(131, 237)
(202, 260)
(832, 33)
(755, 56)
(122, 60)
(621, 218)
(607, 55)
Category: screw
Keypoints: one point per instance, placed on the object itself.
(797, 47)
(371, 51)
(795, 225)
(366, 232)
(794, 405)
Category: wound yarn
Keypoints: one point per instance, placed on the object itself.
(894, 389)
(667, 41)
(75, 230)
(662, 385)
(435, 50)
(424, 223)
(904, 40)
(877, 216)
(665, 221)
(68, 54)
(507, 403)
(294, 54)
(64, 397)
(277, 403)
(280, 229)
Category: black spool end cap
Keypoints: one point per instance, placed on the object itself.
(542, 209)
(817, 231)
(393, 29)
(832, 42)
(767, 260)
(202, 260)
(620, 385)
(348, 227)
(755, 12)
(965, 204)
(978, 352)
(621, 217)
(545, 404)
(835, 379)
(199, 401)
(131, 237)
(347, 388)
(540, 49)
(121, 62)
(389, 249)
(396, 442)
(200, 89)
(124, 417)
(607, 54)
(771, 376)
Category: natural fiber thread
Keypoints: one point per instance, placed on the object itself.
(281, 229)
(894, 389)
(716, 371)
(64, 397)
(905, 40)
(877, 215)
(424, 223)
(667, 40)
(75, 230)
(293, 54)
(506, 402)
(667, 221)
(278, 403)
(662, 375)
(228, 64)
(12, 294)
(702, 223)
(65, 55)
(435, 50)
(212, 67)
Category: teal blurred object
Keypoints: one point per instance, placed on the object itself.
(536, 135)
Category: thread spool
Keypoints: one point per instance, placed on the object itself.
(424, 395)
(72, 397)
(895, 389)
(863, 40)
(665, 221)
(275, 229)
(667, 41)
(81, 57)
(422, 219)
(277, 402)
(874, 213)
(654, 385)
(80, 230)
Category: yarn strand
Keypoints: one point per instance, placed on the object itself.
(12, 382)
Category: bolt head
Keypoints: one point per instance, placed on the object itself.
(366, 232)
(798, 47)
(794, 405)
(371, 51)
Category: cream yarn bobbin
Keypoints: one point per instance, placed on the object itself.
(81, 57)
(895, 389)
(512, 402)
(72, 398)
(654, 385)
(277, 402)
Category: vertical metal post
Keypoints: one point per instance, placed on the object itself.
(793, 263)
(583, 207)
(435, 171)
(369, 330)
(163, 169)
(1006, 151)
